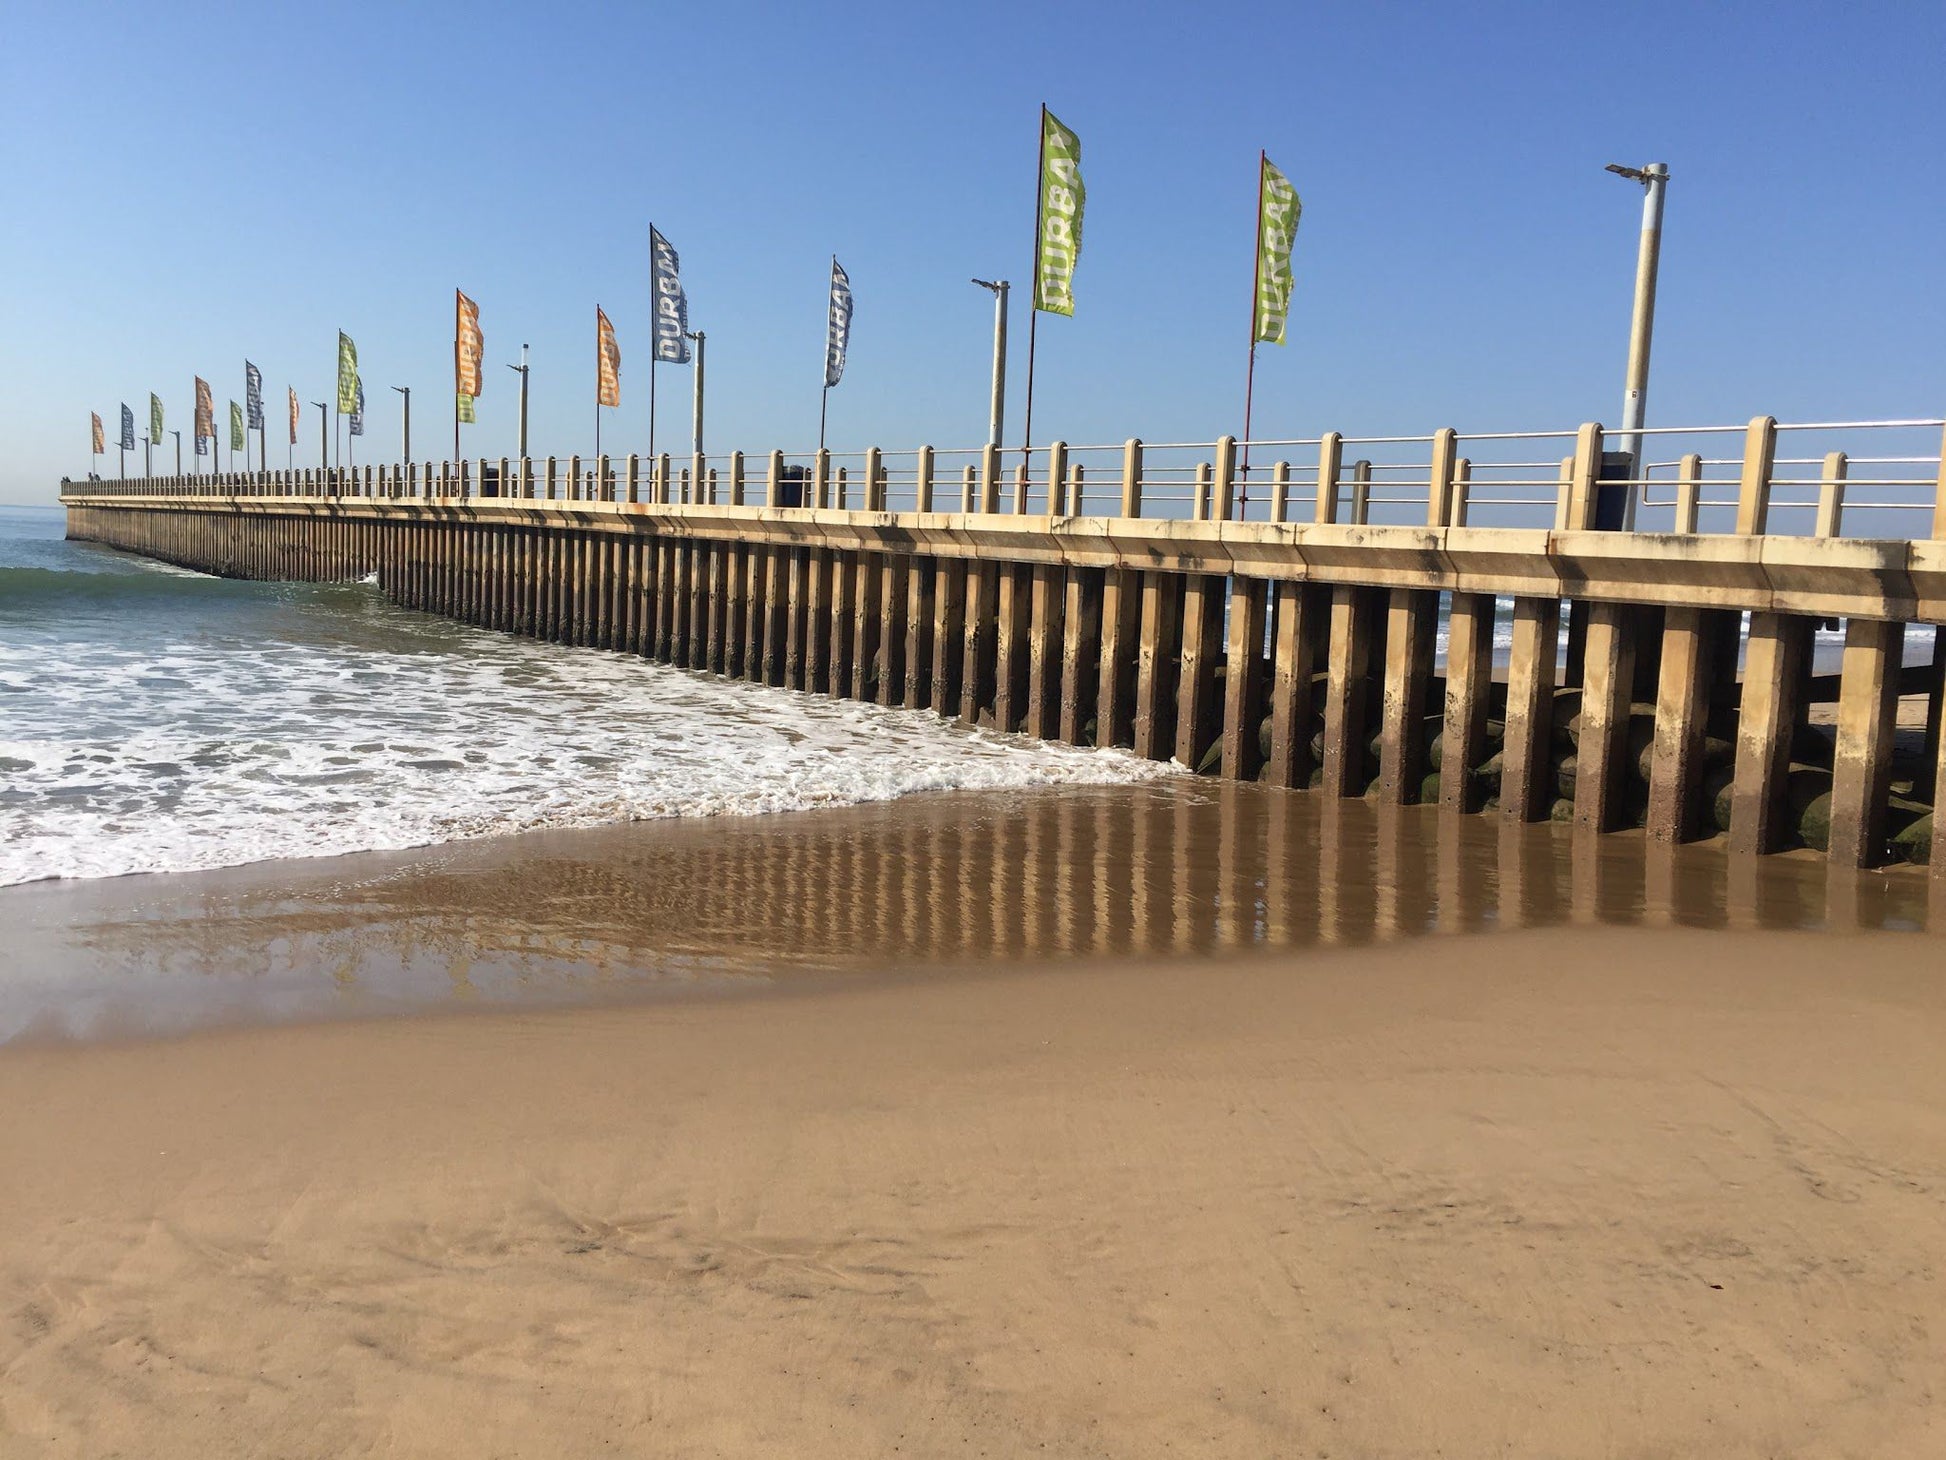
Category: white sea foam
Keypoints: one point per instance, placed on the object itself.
(214, 750)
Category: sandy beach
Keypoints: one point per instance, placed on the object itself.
(987, 1126)
(1640, 1193)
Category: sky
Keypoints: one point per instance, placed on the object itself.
(188, 186)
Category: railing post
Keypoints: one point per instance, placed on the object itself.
(1583, 476)
(736, 478)
(1439, 478)
(967, 489)
(1223, 502)
(1689, 492)
(1361, 491)
(664, 482)
(1938, 531)
(1331, 456)
(1020, 489)
(696, 470)
(821, 479)
(1077, 482)
(574, 477)
(922, 481)
(708, 495)
(1462, 491)
(774, 480)
(1132, 477)
(465, 477)
(874, 488)
(601, 492)
(1753, 489)
(1280, 491)
(1831, 495)
(634, 477)
(1199, 507)
(1057, 479)
(990, 478)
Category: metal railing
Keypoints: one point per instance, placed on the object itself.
(1882, 476)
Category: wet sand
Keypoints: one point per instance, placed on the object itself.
(1157, 1122)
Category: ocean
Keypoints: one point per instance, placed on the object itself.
(159, 720)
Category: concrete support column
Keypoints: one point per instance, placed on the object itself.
(1412, 616)
(1330, 465)
(1681, 723)
(948, 634)
(1243, 680)
(1868, 711)
(1469, 684)
(1121, 623)
(1346, 713)
(1047, 606)
(1080, 653)
(1608, 682)
(1202, 642)
(1776, 662)
(1524, 791)
(920, 587)
(1159, 641)
(1303, 617)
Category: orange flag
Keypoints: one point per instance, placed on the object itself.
(99, 447)
(608, 362)
(468, 346)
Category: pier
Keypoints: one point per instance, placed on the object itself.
(1283, 624)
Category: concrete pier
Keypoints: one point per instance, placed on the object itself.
(1302, 650)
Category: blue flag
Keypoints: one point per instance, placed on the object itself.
(128, 428)
(671, 304)
(253, 395)
(838, 339)
(358, 411)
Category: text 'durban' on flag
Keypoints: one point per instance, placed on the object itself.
(837, 338)
(358, 410)
(469, 346)
(1058, 247)
(1279, 207)
(347, 374)
(128, 428)
(253, 396)
(608, 362)
(671, 342)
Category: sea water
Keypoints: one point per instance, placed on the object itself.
(154, 719)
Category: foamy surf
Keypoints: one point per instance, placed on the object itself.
(164, 723)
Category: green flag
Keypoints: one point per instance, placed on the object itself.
(463, 405)
(236, 427)
(155, 418)
(1058, 245)
(347, 374)
(1278, 209)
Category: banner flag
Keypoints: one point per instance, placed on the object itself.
(1279, 207)
(253, 395)
(463, 407)
(347, 374)
(469, 346)
(205, 415)
(608, 362)
(671, 304)
(358, 411)
(128, 428)
(236, 427)
(293, 395)
(1058, 247)
(100, 446)
(155, 418)
(837, 338)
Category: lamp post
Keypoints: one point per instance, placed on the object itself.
(178, 435)
(998, 408)
(324, 434)
(521, 371)
(148, 459)
(696, 417)
(405, 429)
(1648, 257)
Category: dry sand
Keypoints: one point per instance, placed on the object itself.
(1547, 1193)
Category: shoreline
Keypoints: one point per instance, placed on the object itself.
(1568, 1190)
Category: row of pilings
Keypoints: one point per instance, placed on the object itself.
(1687, 721)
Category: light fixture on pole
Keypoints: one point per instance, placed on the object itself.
(997, 410)
(324, 432)
(1642, 325)
(178, 435)
(405, 428)
(521, 371)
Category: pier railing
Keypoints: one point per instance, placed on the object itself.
(1820, 479)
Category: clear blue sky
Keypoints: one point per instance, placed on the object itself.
(186, 186)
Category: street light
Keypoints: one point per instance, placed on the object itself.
(521, 371)
(405, 449)
(997, 410)
(178, 436)
(1642, 327)
(696, 422)
(324, 434)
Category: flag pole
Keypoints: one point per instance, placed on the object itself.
(1034, 294)
(653, 352)
(1256, 298)
(824, 406)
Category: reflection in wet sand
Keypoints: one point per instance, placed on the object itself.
(1171, 868)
